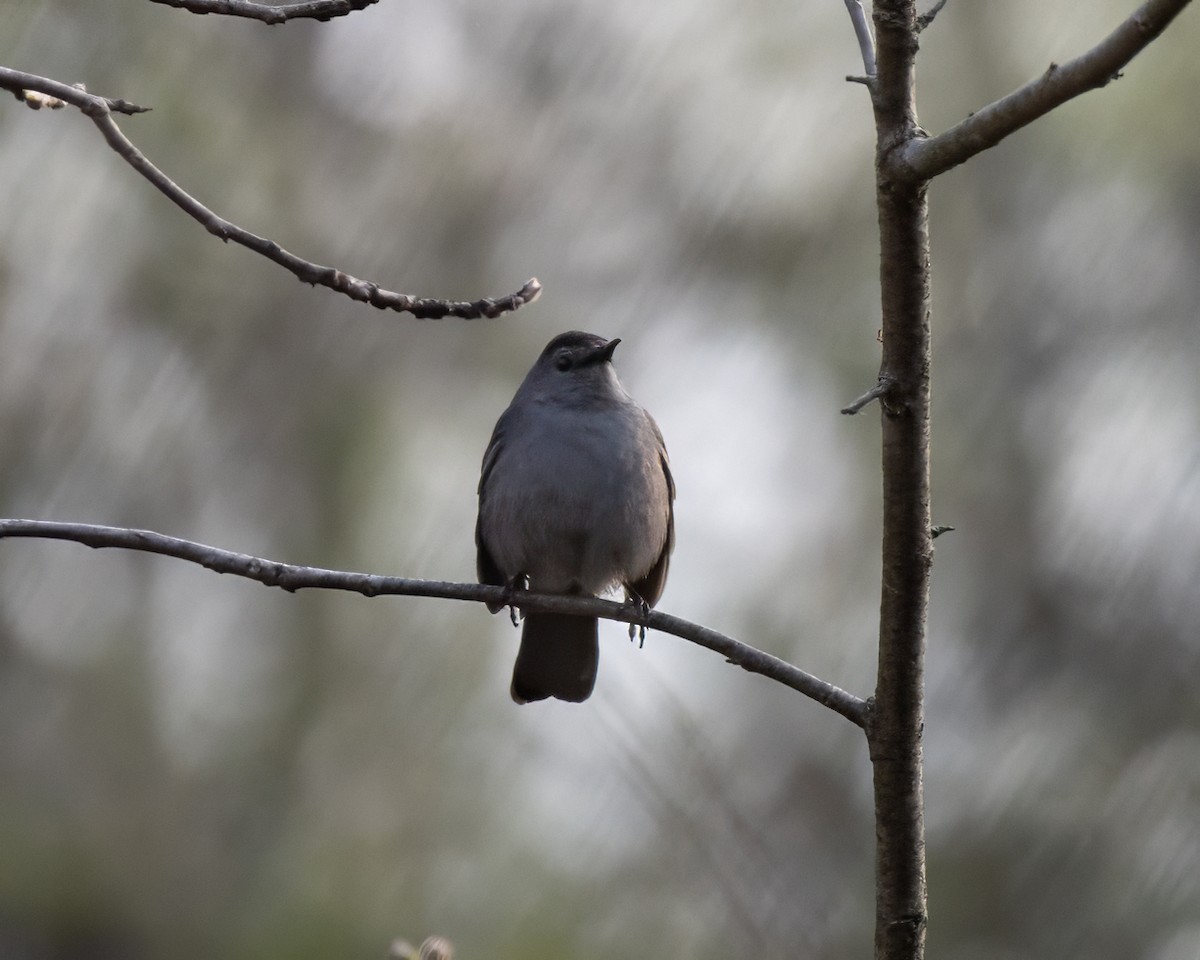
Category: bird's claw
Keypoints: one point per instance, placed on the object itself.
(519, 582)
(637, 629)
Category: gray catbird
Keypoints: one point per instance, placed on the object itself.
(575, 497)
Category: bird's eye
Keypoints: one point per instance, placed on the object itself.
(563, 362)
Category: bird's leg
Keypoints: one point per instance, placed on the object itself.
(519, 582)
(643, 608)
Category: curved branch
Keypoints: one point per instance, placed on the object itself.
(312, 9)
(100, 110)
(292, 578)
(922, 159)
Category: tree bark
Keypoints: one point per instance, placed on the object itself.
(896, 720)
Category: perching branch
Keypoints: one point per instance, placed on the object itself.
(924, 158)
(312, 9)
(100, 110)
(292, 578)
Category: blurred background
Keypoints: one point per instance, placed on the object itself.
(195, 766)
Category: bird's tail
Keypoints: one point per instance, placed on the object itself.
(558, 658)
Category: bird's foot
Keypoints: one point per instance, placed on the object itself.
(637, 630)
(519, 582)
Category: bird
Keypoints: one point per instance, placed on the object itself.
(576, 497)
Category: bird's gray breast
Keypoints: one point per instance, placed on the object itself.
(576, 498)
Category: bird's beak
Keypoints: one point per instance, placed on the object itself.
(600, 354)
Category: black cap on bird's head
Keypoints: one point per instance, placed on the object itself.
(576, 349)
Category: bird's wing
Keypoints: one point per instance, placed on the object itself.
(485, 566)
(650, 587)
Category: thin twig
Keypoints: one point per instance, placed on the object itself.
(292, 578)
(312, 9)
(100, 110)
(866, 44)
(923, 21)
(923, 159)
(881, 387)
(22, 84)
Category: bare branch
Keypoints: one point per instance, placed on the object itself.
(881, 387)
(292, 578)
(100, 110)
(27, 87)
(923, 159)
(312, 9)
(925, 19)
(866, 45)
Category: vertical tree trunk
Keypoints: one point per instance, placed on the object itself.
(895, 728)
(897, 717)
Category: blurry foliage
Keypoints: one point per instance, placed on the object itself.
(194, 766)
